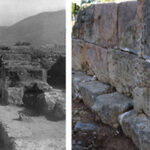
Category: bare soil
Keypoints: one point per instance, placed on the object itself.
(105, 138)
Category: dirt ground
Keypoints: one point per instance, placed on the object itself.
(104, 138)
(33, 132)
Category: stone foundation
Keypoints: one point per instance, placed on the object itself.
(111, 43)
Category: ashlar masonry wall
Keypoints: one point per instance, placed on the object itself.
(111, 41)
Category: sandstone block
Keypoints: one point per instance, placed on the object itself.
(109, 106)
(90, 90)
(137, 127)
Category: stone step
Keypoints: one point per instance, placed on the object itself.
(109, 106)
(90, 90)
(137, 127)
(77, 78)
(99, 97)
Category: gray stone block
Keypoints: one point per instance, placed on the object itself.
(109, 106)
(90, 90)
(137, 127)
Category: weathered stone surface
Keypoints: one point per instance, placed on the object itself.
(142, 100)
(84, 23)
(105, 25)
(91, 59)
(51, 104)
(95, 24)
(13, 96)
(76, 52)
(109, 106)
(137, 127)
(141, 72)
(121, 71)
(143, 23)
(139, 94)
(96, 61)
(77, 78)
(90, 90)
(45, 103)
(127, 24)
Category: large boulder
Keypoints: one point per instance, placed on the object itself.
(137, 127)
(51, 104)
(45, 103)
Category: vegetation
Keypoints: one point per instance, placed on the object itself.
(75, 9)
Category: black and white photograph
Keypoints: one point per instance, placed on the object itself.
(32, 74)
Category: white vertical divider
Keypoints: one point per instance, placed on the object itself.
(68, 76)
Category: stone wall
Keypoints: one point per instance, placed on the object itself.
(111, 41)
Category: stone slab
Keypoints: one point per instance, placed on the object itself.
(109, 106)
(137, 127)
(90, 90)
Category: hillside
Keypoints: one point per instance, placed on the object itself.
(44, 28)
